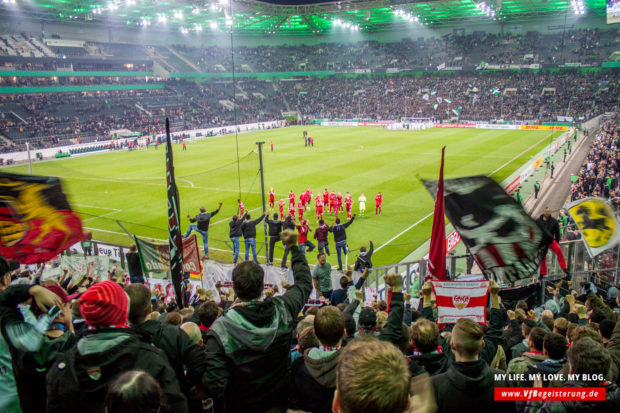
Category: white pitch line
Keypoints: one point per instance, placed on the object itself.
(97, 207)
(431, 213)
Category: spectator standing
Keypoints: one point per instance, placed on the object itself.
(340, 238)
(134, 265)
(234, 235)
(322, 277)
(275, 228)
(321, 236)
(202, 221)
(248, 229)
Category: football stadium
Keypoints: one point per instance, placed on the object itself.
(309, 206)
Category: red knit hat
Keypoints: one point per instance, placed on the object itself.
(105, 304)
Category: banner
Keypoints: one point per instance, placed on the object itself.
(505, 241)
(454, 125)
(36, 220)
(452, 241)
(155, 257)
(544, 127)
(460, 299)
(175, 240)
(78, 266)
(597, 224)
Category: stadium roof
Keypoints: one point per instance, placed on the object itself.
(292, 17)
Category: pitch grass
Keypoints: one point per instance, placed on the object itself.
(130, 186)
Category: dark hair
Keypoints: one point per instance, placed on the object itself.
(337, 221)
(537, 337)
(329, 325)
(319, 255)
(321, 222)
(207, 313)
(174, 319)
(522, 305)
(307, 339)
(248, 280)
(134, 391)
(349, 325)
(344, 282)
(587, 356)
(275, 215)
(528, 325)
(341, 306)
(556, 345)
(597, 315)
(139, 302)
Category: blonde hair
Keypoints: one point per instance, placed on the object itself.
(372, 377)
(467, 337)
(381, 319)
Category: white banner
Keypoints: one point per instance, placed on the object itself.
(460, 299)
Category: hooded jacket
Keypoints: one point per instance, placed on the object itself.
(551, 226)
(235, 227)
(548, 367)
(520, 364)
(339, 231)
(248, 348)
(79, 378)
(202, 220)
(468, 387)
(364, 260)
(313, 380)
(321, 233)
(275, 227)
(248, 228)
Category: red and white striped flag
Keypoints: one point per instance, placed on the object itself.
(460, 299)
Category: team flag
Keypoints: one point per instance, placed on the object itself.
(175, 240)
(506, 242)
(457, 111)
(597, 224)
(460, 299)
(425, 97)
(36, 220)
(495, 91)
(439, 100)
(433, 92)
(437, 249)
(448, 101)
(435, 106)
(155, 257)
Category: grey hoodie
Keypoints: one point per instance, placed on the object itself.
(322, 365)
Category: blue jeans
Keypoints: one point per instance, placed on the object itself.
(341, 246)
(250, 242)
(205, 237)
(236, 245)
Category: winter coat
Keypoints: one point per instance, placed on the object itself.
(235, 227)
(202, 220)
(364, 260)
(248, 348)
(79, 378)
(313, 380)
(248, 228)
(551, 225)
(275, 227)
(339, 231)
(610, 405)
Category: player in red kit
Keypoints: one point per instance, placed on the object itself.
(281, 206)
(308, 198)
(291, 199)
(378, 201)
(300, 209)
(325, 196)
(332, 202)
(291, 210)
(302, 199)
(272, 198)
(319, 207)
(241, 207)
(348, 202)
(339, 202)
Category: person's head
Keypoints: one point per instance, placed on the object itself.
(193, 331)
(207, 313)
(203, 209)
(64, 317)
(560, 326)
(140, 302)
(307, 339)
(362, 249)
(467, 339)
(304, 222)
(522, 305)
(367, 319)
(321, 222)
(425, 335)
(133, 248)
(307, 321)
(321, 259)
(596, 316)
(547, 212)
(248, 280)
(173, 319)
(587, 356)
(337, 221)
(519, 315)
(275, 216)
(554, 346)
(547, 318)
(134, 391)
(104, 304)
(186, 314)
(381, 319)
(329, 326)
(248, 217)
(535, 339)
(235, 218)
(344, 282)
(238, 200)
(605, 328)
(527, 326)
(372, 377)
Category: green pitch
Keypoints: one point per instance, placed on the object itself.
(130, 186)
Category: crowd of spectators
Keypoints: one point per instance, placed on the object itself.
(78, 344)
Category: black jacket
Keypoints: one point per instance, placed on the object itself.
(181, 352)
(364, 261)
(552, 226)
(288, 225)
(610, 405)
(202, 220)
(339, 231)
(275, 227)
(235, 227)
(313, 382)
(248, 228)
(135, 268)
(248, 348)
(78, 379)
(468, 387)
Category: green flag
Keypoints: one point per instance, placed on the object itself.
(448, 100)
(495, 91)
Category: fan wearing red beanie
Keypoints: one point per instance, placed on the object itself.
(79, 378)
